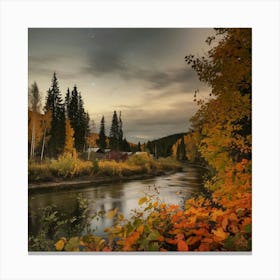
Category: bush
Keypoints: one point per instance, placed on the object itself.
(145, 161)
(68, 166)
(39, 172)
(113, 168)
(169, 163)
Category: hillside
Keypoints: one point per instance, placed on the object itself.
(162, 147)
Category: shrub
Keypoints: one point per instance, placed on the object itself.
(169, 163)
(69, 166)
(113, 168)
(39, 172)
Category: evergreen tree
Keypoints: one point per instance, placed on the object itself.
(149, 146)
(102, 137)
(120, 134)
(114, 133)
(79, 119)
(67, 102)
(126, 146)
(57, 132)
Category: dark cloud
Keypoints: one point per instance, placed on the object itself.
(185, 77)
(146, 124)
(141, 66)
(105, 62)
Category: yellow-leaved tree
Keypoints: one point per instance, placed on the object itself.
(69, 139)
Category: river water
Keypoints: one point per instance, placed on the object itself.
(172, 188)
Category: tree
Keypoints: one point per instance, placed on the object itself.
(126, 146)
(69, 139)
(79, 119)
(46, 121)
(181, 150)
(102, 137)
(34, 107)
(139, 147)
(150, 147)
(222, 125)
(56, 106)
(114, 133)
(120, 133)
(67, 102)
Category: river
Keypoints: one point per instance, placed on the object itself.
(172, 188)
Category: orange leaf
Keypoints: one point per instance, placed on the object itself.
(220, 235)
(160, 238)
(171, 241)
(225, 223)
(140, 229)
(204, 247)
(193, 239)
(233, 217)
(182, 246)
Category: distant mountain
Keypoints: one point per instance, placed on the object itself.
(162, 147)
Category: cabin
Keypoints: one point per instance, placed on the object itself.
(117, 156)
(97, 153)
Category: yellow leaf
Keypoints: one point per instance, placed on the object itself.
(59, 244)
(140, 229)
(142, 200)
(111, 214)
(220, 235)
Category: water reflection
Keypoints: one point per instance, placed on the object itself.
(173, 188)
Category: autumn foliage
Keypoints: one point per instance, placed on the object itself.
(221, 218)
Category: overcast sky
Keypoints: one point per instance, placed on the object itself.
(140, 72)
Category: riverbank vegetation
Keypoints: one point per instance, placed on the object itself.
(68, 167)
(220, 219)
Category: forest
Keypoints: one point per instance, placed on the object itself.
(220, 140)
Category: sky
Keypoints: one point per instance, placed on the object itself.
(138, 71)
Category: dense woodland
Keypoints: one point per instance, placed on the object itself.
(220, 219)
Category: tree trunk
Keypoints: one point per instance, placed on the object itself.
(43, 145)
(32, 146)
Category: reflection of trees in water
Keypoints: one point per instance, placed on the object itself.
(123, 196)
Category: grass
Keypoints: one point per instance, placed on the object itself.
(68, 167)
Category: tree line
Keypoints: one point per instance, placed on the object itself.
(63, 127)
(117, 141)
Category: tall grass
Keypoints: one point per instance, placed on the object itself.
(67, 166)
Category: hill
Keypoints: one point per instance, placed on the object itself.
(162, 147)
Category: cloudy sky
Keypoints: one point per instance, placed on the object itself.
(140, 72)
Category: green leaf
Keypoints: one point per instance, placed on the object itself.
(154, 234)
(153, 246)
(72, 244)
(248, 228)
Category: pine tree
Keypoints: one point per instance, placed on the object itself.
(67, 102)
(102, 137)
(126, 146)
(120, 134)
(114, 133)
(79, 119)
(57, 132)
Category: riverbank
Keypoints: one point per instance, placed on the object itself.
(84, 182)
(68, 172)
